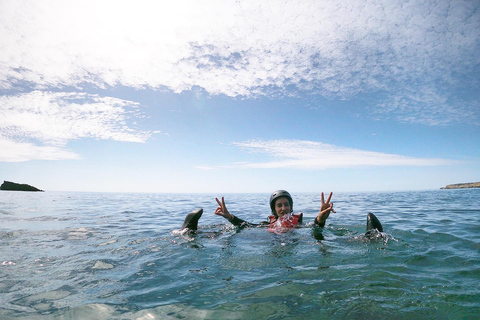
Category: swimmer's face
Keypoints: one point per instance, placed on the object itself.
(282, 206)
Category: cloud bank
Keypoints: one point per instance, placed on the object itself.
(301, 154)
(15, 151)
(415, 55)
(38, 125)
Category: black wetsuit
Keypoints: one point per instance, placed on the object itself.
(242, 223)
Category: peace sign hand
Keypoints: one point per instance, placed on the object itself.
(222, 210)
(325, 210)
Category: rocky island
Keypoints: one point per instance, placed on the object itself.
(462, 185)
(12, 186)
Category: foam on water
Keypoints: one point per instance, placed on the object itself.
(109, 256)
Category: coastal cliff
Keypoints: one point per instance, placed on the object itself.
(462, 185)
(12, 186)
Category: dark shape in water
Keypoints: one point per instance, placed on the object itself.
(12, 186)
(191, 220)
(373, 224)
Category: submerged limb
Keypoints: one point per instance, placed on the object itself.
(318, 233)
(191, 220)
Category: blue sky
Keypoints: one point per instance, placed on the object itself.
(239, 96)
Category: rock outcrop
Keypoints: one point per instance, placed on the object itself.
(462, 185)
(12, 186)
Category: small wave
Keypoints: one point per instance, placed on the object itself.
(79, 234)
(102, 265)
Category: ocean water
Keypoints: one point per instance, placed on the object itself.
(117, 256)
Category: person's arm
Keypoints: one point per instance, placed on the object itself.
(325, 210)
(223, 212)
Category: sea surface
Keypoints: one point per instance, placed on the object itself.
(120, 256)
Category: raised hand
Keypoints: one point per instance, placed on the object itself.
(325, 210)
(222, 210)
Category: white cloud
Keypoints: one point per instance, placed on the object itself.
(332, 48)
(15, 151)
(300, 154)
(54, 118)
(429, 107)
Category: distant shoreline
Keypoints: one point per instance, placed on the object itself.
(13, 186)
(462, 185)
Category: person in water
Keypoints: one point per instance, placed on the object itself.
(281, 205)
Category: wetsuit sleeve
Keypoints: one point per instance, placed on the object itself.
(318, 224)
(242, 223)
(317, 232)
(238, 222)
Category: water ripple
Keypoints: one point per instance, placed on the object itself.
(104, 256)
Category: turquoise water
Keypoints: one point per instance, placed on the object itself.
(116, 256)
